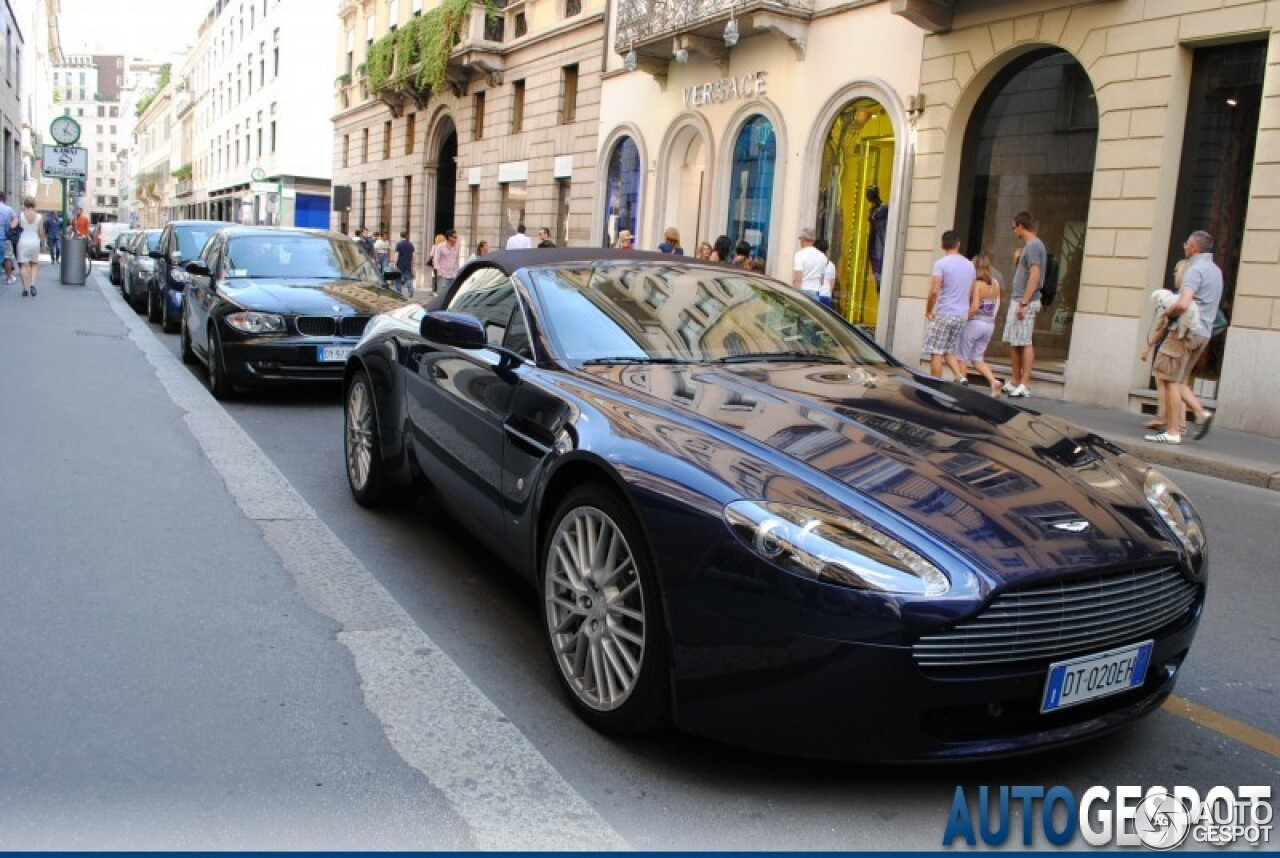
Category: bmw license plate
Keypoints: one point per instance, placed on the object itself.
(335, 354)
(1080, 680)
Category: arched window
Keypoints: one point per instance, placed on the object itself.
(1030, 146)
(755, 155)
(622, 193)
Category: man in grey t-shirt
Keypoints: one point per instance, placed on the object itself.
(947, 309)
(1201, 283)
(1024, 304)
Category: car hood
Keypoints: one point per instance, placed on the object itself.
(1015, 491)
(311, 297)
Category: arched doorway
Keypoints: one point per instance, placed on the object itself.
(1030, 146)
(855, 191)
(622, 191)
(446, 182)
(686, 187)
(755, 157)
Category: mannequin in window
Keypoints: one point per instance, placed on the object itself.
(879, 220)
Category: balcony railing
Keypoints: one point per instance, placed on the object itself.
(644, 23)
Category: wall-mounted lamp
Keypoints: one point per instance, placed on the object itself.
(915, 105)
(681, 55)
(630, 61)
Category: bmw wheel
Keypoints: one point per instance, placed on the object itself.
(219, 385)
(602, 614)
(366, 472)
(184, 337)
(153, 305)
(167, 322)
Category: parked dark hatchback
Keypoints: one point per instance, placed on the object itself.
(739, 513)
(139, 269)
(117, 251)
(269, 305)
(180, 242)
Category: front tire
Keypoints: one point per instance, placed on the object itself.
(602, 616)
(184, 337)
(219, 385)
(167, 324)
(361, 445)
(153, 305)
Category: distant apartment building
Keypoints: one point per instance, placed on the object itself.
(87, 87)
(253, 125)
(11, 117)
(502, 133)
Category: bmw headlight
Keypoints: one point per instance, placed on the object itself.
(1175, 511)
(835, 549)
(249, 322)
(147, 264)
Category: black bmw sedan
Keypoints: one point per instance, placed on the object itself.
(742, 516)
(268, 305)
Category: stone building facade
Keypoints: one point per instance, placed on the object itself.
(509, 139)
(1123, 125)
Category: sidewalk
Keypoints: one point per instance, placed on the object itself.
(1225, 453)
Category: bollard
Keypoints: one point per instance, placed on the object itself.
(75, 252)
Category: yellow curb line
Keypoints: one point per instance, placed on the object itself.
(1229, 727)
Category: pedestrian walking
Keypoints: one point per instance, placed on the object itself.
(626, 241)
(741, 254)
(722, 250)
(827, 291)
(519, 241)
(947, 309)
(53, 236)
(444, 258)
(1162, 299)
(8, 229)
(671, 242)
(81, 224)
(30, 242)
(544, 238)
(984, 303)
(435, 275)
(1024, 304)
(382, 251)
(1201, 285)
(704, 251)
(482, 248)
(404, 263)
(808, 265)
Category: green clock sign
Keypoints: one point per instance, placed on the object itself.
(65, 130)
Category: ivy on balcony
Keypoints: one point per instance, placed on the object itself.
(414, 60)
(183, 173)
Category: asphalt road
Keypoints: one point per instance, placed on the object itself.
(668, 792)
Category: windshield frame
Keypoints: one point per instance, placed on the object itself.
(854, 347)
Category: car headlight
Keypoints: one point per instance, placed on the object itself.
(147, 264)
(1175, 511)
(179, 275)
(835, 549)
(250, 322)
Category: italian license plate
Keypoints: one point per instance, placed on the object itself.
(335, 354)
(1080, 680)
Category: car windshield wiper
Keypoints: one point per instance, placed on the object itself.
(637, 360)
(764, 357)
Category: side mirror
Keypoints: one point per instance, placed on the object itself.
(197, 267)
(156, 254)
(453, 329)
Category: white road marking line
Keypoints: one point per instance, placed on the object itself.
(437, 720)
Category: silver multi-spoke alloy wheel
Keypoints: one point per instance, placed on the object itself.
(359, 434)
(595, 608)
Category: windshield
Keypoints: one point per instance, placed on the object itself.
(191, 239)
(153, 239)
(296, 255)
(675, 313)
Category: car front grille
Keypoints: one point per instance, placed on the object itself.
(328, 326)
(1067, 618)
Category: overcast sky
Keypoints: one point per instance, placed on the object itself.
(150, 29)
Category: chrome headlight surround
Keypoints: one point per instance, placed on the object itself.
(1177, 513)
(834, 549)
(252, 322)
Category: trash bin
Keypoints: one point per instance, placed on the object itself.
(75, 261)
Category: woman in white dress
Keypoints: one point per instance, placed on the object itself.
(29, 244)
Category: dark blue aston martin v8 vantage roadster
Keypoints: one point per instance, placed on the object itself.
(744, 518)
